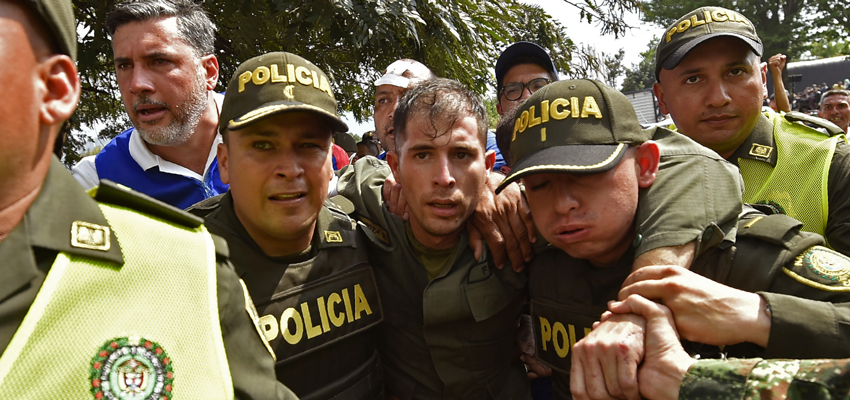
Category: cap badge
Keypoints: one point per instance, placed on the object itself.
(287, 91)
(760, 150)
(130, 369)
(90, 236)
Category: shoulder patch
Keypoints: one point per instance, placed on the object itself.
(833, 129)
(120, 195)
(822, 268)
(378, 232)
(769, 228)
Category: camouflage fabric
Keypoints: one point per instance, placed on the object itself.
(767, 379)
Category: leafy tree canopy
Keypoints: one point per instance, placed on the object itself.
(351, 40)
(642, 74)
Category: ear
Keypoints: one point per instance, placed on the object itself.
(499, 107)
(647, 157)
(210, 65)
(659, 94)
(392, 160)
(505, 169)
(224, 173)
(61, 84)
(763, 71)
(490, 159)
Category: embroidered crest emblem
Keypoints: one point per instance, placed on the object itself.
(760, 150)
(131, 369)
(333, 237)
(826, 263)
(287, 91)
(90, 236)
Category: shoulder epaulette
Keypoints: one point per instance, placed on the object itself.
(205, 207)
(769, 228)
(821, 268)
(120, 195)
(341, 208)
(795, 116)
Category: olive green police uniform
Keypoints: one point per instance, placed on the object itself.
(317, 308)
(450, 337)
(758, 379)
(65, 222)
(758, 253)
(819, 173)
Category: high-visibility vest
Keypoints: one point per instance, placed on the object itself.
(146, 330)
(798, 183)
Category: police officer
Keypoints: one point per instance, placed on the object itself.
(583, 167)
(300, 255)
(711, 81)
(112, 297)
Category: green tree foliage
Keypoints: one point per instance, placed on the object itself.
(642, 75)
(352, 40)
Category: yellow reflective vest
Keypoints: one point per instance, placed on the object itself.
(147, 329)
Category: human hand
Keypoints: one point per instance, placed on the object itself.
(394, 198)
(535, 368)
(505, 223)
(777, 63)
(665, 362)
(605, 362)
(705, 311)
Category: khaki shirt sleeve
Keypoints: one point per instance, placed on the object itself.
(694, 189)
(803, 328)
(757, 379)
(251, 364)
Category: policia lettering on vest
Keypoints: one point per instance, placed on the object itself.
(107, 295)
(302, 258)
(584, 183)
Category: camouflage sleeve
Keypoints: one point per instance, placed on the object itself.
(760, 379)
(694, 190)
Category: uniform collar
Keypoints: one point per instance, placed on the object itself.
(60, 207)
(759, 146)
(330, 231)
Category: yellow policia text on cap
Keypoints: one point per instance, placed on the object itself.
(275, 83)
(294, 74)
(557, 110)
(708, 17)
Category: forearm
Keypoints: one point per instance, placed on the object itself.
(826, 325)
(782, 102)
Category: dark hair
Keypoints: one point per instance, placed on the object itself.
(442, 101)
(371, 147)
(192, 21)
(504, 134)
(528, 59)
(833, 92)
